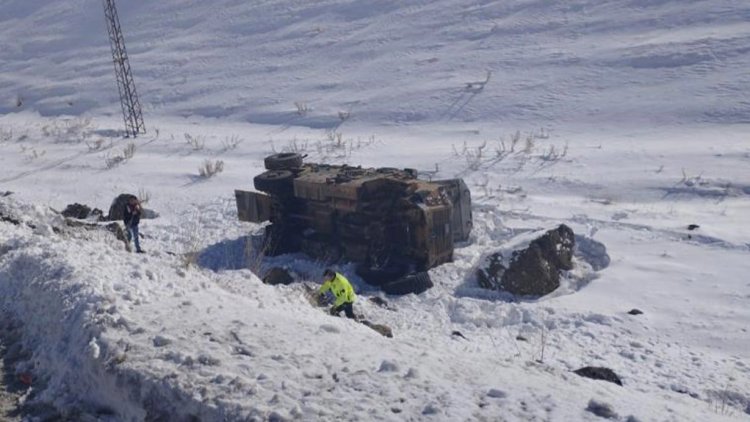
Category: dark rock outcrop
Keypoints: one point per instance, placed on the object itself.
(635, 311)
(534, 271)
(599, 373)
(278, 275)
(82, 212)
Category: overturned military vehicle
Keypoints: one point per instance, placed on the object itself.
(393, 225)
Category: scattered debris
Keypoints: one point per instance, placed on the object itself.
(117, 230)
(379, 301)
(521, 338)
(278, 275)
(161, 341)
(458, 334)
(693, 226)
(318, 300)
(9, 219)
(478, 86)
(388, 366)
(431, 409)
(534, 271)
(601, 409)
(384, 330)
(599, 373)
(412, 373)
(82, 212)
(312, 296)
(677, 388)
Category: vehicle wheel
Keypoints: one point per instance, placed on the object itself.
(413, 283)
(274, 182)
(387, 170)
(283, 161)
(377, 276)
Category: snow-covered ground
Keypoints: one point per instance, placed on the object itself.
(634, 122)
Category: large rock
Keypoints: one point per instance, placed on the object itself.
(599, 373)
(278, 275)
(533, 271)
(81, 212)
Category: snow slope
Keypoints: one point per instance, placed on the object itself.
(634, 123)
(394, 62)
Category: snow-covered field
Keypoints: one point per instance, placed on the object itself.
(634, 121)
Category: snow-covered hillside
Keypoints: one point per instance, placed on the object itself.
(392, 62)
(633, 122)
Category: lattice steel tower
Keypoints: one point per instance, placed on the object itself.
(131, 106)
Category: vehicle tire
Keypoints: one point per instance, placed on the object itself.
(283, 161)
(387, 170)
(276, 182)
(413, 283)
(378, 276)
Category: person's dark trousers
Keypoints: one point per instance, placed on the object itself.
(346, 307)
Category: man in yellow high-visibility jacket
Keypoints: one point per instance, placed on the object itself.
(342, 290)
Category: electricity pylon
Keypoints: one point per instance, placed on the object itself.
(131, 105)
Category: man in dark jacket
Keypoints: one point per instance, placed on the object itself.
(131, 218)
